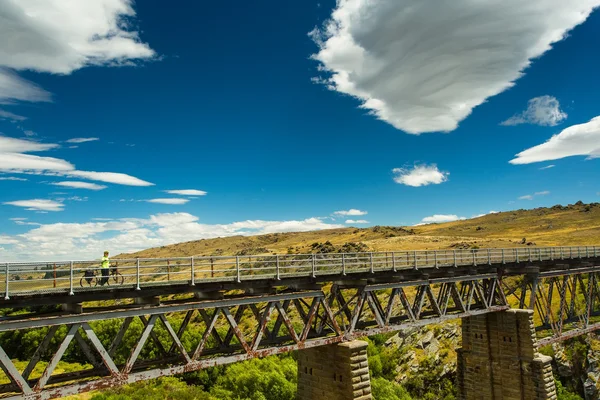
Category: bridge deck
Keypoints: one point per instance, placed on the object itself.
(60, 282)
(370, 293)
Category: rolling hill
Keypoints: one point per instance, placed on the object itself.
(573, 224)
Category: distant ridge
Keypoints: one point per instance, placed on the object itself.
(573, 224)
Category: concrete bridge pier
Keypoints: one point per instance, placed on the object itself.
(334, 372)
(499, 359)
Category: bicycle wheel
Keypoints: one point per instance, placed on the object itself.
(88, 281)
(118, 278)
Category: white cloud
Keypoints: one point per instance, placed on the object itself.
(543, 110)
(12, 178)
(37, 205)
(109, 177)
(87, 240)
(548, 167)
(13, 160)
(82, 140)
(483, 215)
(420, 175)
(20, 163)
(356, 221)
(8, 240)
(10, 116)
(439, 218)
(168, 201)
(18, 219)
(20, 222)
(526, 197)
(79, 185)
(62, 36)
(13, 145)
(352, 211)
(186, 192)
(544, 193)
(423, 66)
(12, 87)
(76, 198)
(576, 140)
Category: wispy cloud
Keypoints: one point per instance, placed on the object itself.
(543, 110)
(423, 66)
(13, 160)
(548, 167)
(37, 205)
(186, 192)
(576, 140)
(10, 116)
(350, 212)
(356, 221)
(79, 185)
(109, 177)
(439, 218)
(531, 196)
(168, 201)
(82, 140)
(12, 178)
(483, 215)
(420, 175)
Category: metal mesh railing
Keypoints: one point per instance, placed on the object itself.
(78, 276)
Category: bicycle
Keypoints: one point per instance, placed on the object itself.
(90, 279)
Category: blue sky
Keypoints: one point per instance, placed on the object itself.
(277, 116)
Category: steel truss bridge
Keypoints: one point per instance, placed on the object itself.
(219, 310)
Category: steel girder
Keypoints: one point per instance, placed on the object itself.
(179, 338)
(565, 304)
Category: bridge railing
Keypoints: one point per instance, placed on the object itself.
(78, 276)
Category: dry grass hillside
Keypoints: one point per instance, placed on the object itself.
(574, 224)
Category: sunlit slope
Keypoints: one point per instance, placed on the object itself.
(576, 224)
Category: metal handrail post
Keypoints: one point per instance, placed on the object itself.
(314, 267)
(237, 268)
(394, 261)
(277, 266)
(454, 256)
(474, 258)
(503, 259)
(562, 253)
(516, 252)
(540, 253)
(435, 264)
(193, 272)
(137, 274)
(415, 256)
(489, 257)
(371, 261)
(6, 297)
(529, 254)
(71, 279)
(344, 264)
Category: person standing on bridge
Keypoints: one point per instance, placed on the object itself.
(105, 269)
